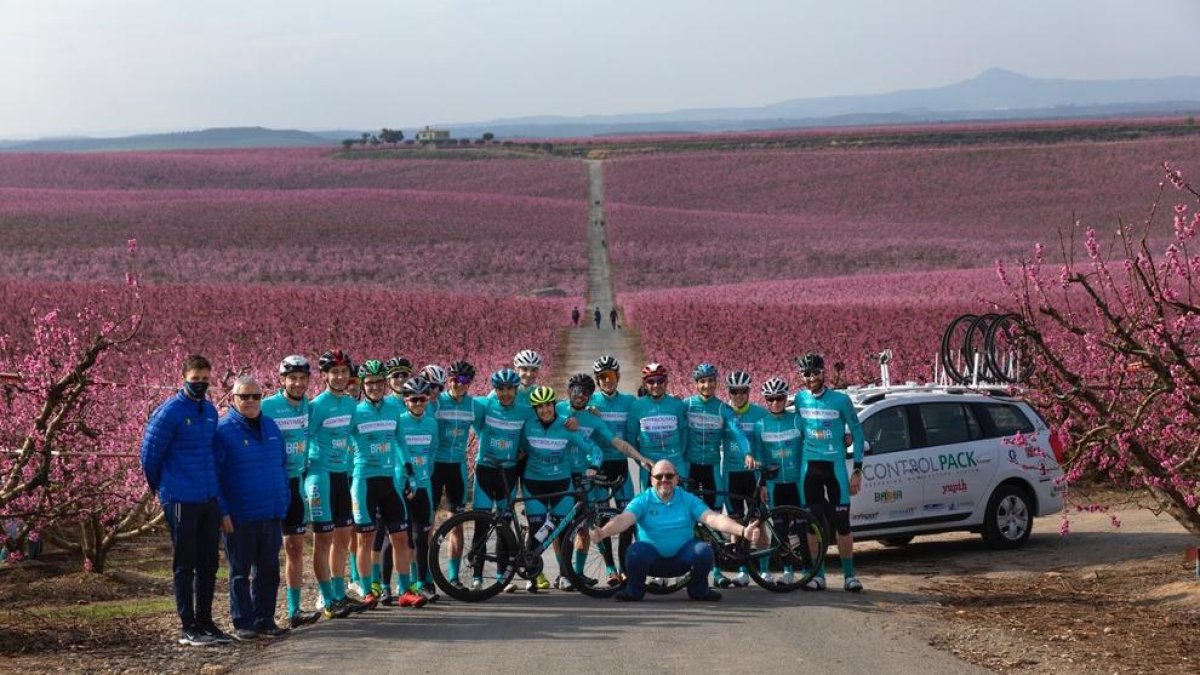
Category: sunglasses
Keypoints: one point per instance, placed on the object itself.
(775, 399)
(400, 375)
(606, 376)
(663, 476)
(249, 397)
(739, 392)
(656, 380)
(812, 373)
(417, 399)
(463, 379)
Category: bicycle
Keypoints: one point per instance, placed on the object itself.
(790, 536)
(496, 543)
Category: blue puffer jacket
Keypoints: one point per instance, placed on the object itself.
(251, 469)
(177, 451)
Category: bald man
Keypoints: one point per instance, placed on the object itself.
(665, 517)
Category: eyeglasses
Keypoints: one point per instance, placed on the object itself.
(739, 392)
(606, 376)
(400, 375)
(812, 373)
(249, 397)
(417, 399)
(463, 379)
(775, 399)
(663, 476)
(656, 380)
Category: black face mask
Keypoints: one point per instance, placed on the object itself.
(195, 389)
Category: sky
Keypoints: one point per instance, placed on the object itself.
(131, 66)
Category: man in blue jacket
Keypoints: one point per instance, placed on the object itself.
(251, 464)
(177, 459)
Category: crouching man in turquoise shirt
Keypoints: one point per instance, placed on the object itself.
(665, 517)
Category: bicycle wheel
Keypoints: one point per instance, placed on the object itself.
(488, 550)
(789, 551)
(974, 348)
(594, 578)
(1008, 354)
(956, 363)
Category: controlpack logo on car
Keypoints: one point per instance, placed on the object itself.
(949, 461)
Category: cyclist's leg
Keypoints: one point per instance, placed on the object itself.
(487, 485)
(364, 507)
(814, 484)
(320, 516)
(840, 501)
(420, 510)
(341, 503)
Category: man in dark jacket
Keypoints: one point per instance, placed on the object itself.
(177, 459)
(251, 463)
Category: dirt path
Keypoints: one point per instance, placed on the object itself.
(585, 343)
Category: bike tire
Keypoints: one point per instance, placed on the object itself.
(785, 547)
(592, 581)
(954, 362)
(489, 548)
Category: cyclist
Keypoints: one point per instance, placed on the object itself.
(498, 424)
(289, 407)
(552, 453)
(616, 453)
(373, 487)
(779, 439)
(710, 423)
(738, 481)
(824, 484)
(614, 407)
(660, 422)
(418, 435)
(399, 369)
(456, 412)
(327, 485)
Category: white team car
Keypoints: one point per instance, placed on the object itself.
(941, 459)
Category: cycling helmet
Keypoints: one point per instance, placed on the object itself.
(294, 364)
(462, 368)
(435, 374)
(810, 361)
(654, 370)
(582, 381)
(333, 358)
(704, 370)
(606, 362)
(775, 387)
(541, 395)
(371, 368)
(738, 379)
(416, 386)
(527, 358)
(505, 377)
(398, 364)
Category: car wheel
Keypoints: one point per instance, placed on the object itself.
(1009, 518)
(901, 540)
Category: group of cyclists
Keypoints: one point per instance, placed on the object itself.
(372, 457)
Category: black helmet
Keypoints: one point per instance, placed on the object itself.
(810, 361)
(333, 358)
(582, 381)
(398, 364)
(461, 367)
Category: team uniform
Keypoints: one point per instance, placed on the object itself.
(498, 428)
(292, 421)
(418, 438)
(710, 422)
(824, 484)
(661, 432)
(614, 412)
(449, 477)
(738, 481)
(327, 485)
(376, 454)
(554, 455)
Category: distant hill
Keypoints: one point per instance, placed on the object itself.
(230, 137)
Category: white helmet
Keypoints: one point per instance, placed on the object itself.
(527, 358)
(738, 379)
(435, 374)
(775, 387)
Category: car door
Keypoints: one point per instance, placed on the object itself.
(956, 461)
(891, 493)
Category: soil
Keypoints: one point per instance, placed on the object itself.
(1104, 598)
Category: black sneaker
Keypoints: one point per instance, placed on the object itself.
(354, 605)
(624, 596)
(244, 634)
(303, 618)
(270, 631)
(218, 636)
(193, 637)
(711, 595)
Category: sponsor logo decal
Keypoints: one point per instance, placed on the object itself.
(658, 424)
(335, 422)
(377, 425)
(818, 414)
(954, 488)
(704, 422)
(780, 436)
(888, 496)
(503, 424)
(865, 517)
(292, 423)
(934, 507)
(901, 513)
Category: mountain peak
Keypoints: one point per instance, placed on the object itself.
(992, 75)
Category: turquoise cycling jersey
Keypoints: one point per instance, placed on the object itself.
(661, 426)
(710, 422)
(418, 444)
(455, 419)
(373, 439)
(499, 429)
(523, 393)
(592, 428)
(329, 423)
(554, 453)
(826, 418)
(292, 421)
(614, 410)
(779, 439)
(746, 419)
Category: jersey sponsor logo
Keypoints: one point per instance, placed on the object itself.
(543, 443)
(819, 413)
(376, 425)
(418, 440)
(747, 427)
(336, 422)
(292, 423)
(614, 416)
(660, 424)
(455, 415)
(780, 436)
(705, 422)
(503, 424)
